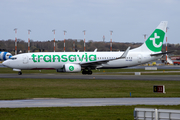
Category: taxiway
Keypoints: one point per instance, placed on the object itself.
(99, 77)
(80, 102)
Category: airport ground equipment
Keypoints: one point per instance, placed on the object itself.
(156, 114)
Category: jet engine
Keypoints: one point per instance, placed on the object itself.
(71, 68)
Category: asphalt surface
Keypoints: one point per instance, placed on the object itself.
(80, 102)
(158, 67)
(101, 77)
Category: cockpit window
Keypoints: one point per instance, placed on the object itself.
(13, 58)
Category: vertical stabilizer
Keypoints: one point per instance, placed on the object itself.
(155, 40)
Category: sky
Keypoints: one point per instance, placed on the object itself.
(128, 19)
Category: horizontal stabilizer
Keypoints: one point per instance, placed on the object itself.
(157, 54)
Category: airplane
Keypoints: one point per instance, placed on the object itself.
(70, 62)
(5, 55)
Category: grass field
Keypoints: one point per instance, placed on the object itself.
(75, 113)
(65, 88)
(15, 88)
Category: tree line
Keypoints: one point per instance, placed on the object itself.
(48, 46)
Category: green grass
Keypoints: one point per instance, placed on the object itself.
(17, 88)
(75, 113)
(20, 88)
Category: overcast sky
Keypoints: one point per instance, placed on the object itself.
(128, 19)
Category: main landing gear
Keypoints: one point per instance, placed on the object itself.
(89, 72)
(19, 73)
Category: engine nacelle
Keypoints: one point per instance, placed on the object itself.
(5, 56)
(72, 68)
(60, 70)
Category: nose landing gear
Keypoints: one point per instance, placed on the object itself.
(19, 73)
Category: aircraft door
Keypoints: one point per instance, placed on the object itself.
(139, 58)
(25, 59)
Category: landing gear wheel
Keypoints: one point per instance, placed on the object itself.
(84, 72)
(19, 73)
(89, 72)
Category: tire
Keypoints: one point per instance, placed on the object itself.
(89, 72)
(84, 72)
(19, 73)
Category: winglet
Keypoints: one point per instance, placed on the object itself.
(125, 53)
(95, 50)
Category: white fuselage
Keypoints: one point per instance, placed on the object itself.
(56, 60)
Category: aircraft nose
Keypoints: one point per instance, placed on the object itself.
(6, 63)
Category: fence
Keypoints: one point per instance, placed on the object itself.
(156, 114)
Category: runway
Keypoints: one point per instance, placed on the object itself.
(80, 102)
(100, 77)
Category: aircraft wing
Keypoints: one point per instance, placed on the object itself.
(95, 64)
